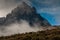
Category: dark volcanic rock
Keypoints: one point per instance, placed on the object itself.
(27, 13)
(2, 20)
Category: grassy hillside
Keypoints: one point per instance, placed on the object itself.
(53, 34)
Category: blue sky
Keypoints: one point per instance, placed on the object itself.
(49, 9)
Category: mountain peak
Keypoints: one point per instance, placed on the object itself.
(23, 4)
(24, 7)
(27, 13)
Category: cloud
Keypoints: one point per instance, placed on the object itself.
(45, 5)
(6, 6)
(49, 6)
(21, 27)
(16, 28)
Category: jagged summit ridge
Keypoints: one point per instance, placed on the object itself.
(24, 8)
(27, 13)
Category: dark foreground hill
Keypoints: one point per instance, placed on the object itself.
(53, 34)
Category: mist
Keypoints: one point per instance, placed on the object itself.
(16, 28)
(21, 27)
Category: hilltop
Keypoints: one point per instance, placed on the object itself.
(53, 34)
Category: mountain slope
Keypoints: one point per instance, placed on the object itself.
(53, 34)
(27, 13)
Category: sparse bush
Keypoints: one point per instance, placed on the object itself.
(40, 35)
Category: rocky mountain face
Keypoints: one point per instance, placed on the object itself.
(24, 12)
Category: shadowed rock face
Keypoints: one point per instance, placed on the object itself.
(2, 20)
(27, 13)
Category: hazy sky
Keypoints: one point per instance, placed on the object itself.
(50, 9)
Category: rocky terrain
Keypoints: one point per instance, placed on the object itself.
(53, 34)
